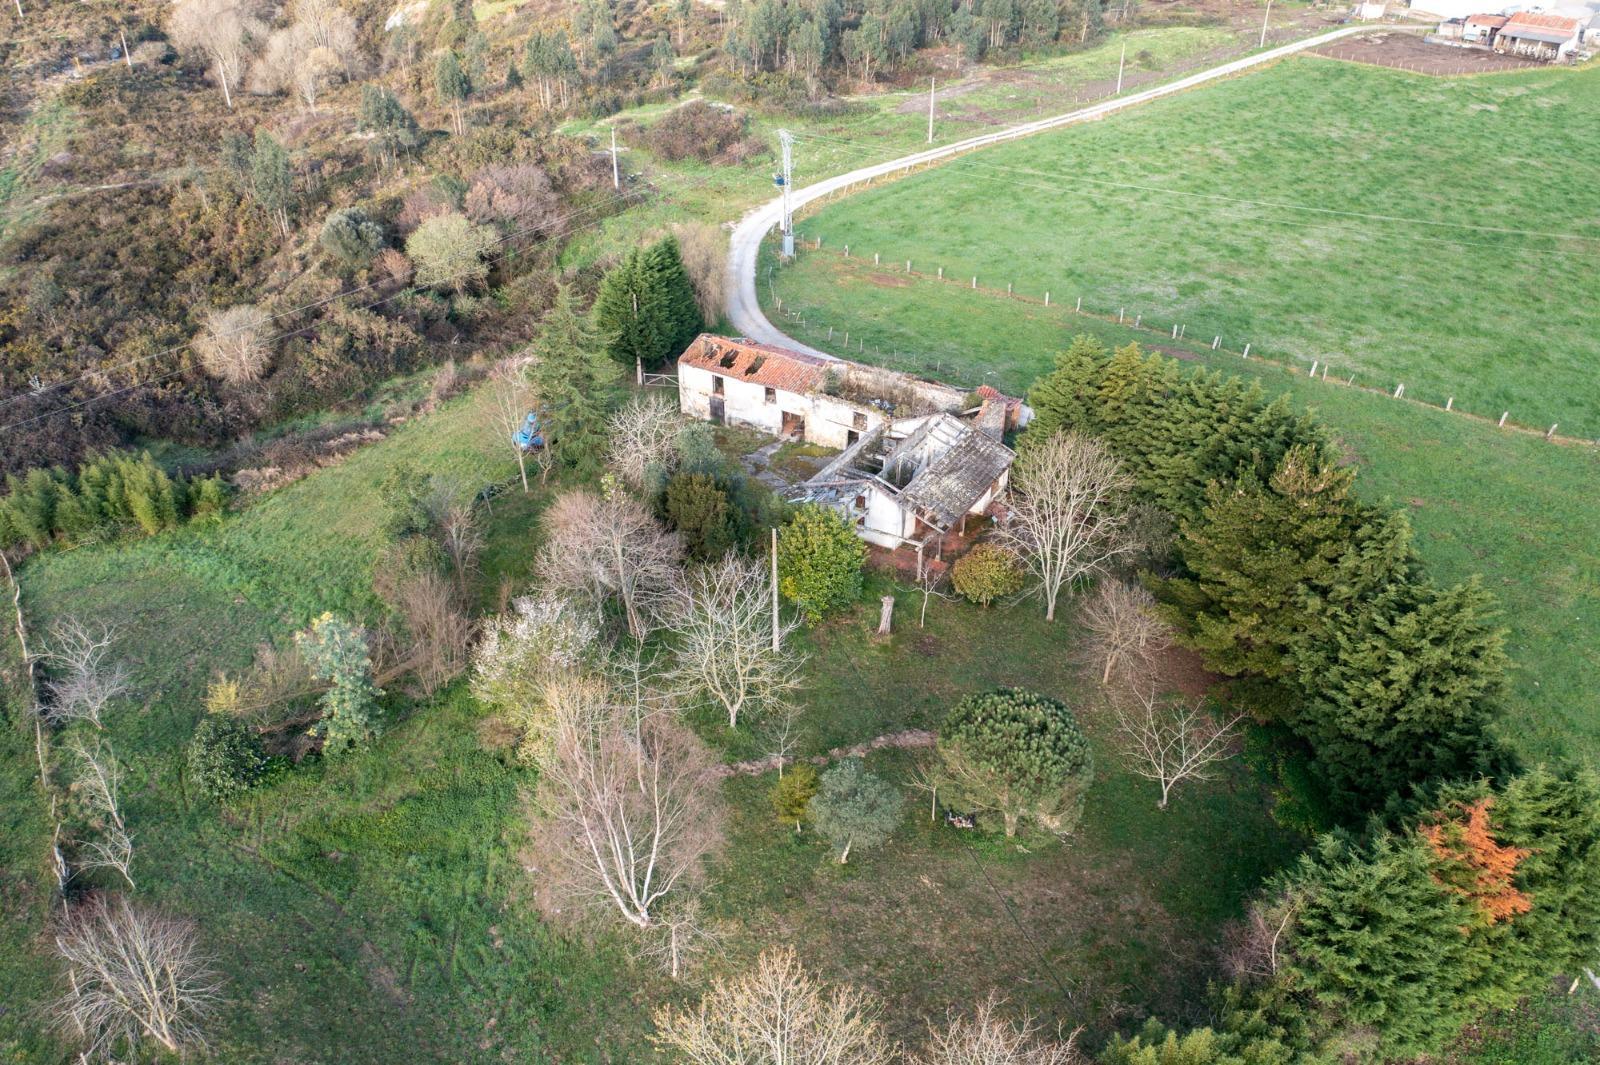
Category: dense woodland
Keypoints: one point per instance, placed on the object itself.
(313, 205)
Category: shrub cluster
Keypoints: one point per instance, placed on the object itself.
(225, 758)
(703, 131)
(108, 495)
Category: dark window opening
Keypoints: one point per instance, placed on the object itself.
(860, 421)
(772, 395)
(716, 385)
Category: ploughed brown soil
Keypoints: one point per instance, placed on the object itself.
(1408, 51)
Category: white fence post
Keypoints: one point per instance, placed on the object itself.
(1449, 403)
(1503, 417)
(1399, 390)
(1216, 342)
(1047, 299)
(1246, 353)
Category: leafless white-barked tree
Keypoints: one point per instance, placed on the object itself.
(508, 398)
(721, 614)
(98, 781)
(643, 433)
(775, 1013)
(84, 678)
(227, 31)
(987, 1038)
(1068, 514)
(133, 974)
(610, 547)
(625, 820)
(1127, 632)
(1169, 741)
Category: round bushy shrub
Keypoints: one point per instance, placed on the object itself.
(819, 561)
(986, 573)
(854, 809)
(1018, 754)
(225, 758)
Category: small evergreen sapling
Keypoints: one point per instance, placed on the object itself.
(792, 794)
(854, 809)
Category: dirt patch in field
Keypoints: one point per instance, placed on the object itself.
(1408, 51)
(887, 280)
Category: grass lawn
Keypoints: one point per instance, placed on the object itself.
(1506, 505)
(375, 909)
(1176, 211)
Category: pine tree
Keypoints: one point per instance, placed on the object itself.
(1066, 397)
(577, 385)
(386, 118)
(271, 180)
(452, 87)
(1379, 943)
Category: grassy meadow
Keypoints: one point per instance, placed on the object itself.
(1506, 505)
(1435, 232)
(378, 908)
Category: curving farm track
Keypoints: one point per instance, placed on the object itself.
(743, 307)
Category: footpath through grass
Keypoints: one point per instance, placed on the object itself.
(1509, 506)
(1437, 232)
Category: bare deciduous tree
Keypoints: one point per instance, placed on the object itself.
(225, 30)
(1068, 513)
(1252, 949)
(610, 547)
(524, 657)
(681, 934)
(774, 1015)
(986, 1038)
(85, 680)
(642, 435)
(235, 345)
(721, 615)
(1126, 628)
(437, 631)
(930, 583)
(703, 247)
(508, 398)
(133, 974)
(626, 818)
(1168, 741)
(98, 782)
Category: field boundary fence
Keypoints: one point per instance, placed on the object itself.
(1157, 325)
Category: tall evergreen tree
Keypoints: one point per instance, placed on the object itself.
(576, 385)
(646, 307)
(386, 118)
(452, 87)
(271, 179)
(1249, 558)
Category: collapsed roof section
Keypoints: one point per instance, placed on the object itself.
(937, 467)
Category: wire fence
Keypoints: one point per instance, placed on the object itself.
(842, 339)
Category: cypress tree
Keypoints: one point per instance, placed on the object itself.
(646, 307)
(576, 384)
(1399, 689)
(1249, 556)
(1065, 398)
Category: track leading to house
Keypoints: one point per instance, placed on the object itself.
(744, 308)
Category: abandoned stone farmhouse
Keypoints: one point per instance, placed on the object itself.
(918, 457)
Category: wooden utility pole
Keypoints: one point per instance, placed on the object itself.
(775, 589)
(126, 58)
(930, 110)
(1120, 64)
(1264, 18)
(616, 177)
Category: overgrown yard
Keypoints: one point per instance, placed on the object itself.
(1434, 232)
(1506, 505)
(377, 908)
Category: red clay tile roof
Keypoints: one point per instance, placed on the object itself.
(992, 393)
(1491, 21)
(763, 364)
(1543, 26)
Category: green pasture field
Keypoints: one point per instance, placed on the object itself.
(1434, 232)
(874, 127)
(1507, 505)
